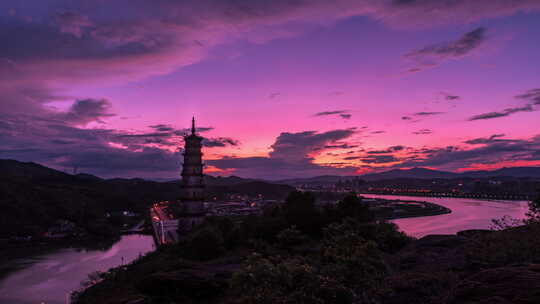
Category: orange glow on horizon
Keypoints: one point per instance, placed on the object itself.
(499, 165)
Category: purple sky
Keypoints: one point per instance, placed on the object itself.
(279, 88)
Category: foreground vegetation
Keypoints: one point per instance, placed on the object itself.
(300, 254)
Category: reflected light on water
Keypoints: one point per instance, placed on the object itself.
(50, 278)
(466, 214)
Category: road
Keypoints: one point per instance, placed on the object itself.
(164, 224)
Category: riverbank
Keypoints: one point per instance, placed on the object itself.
(391, 209)
(476, 196)
(466, 214)
(13, 252)
(51, 274)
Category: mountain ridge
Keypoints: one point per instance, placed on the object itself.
(422, 173)
(31, 170)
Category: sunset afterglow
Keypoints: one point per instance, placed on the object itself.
(279, 89)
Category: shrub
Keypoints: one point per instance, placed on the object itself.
(513, 245)
(230, 232)
(356, 261)
(386, 235)
(291, 237)
(534, 210)
(352, 206)
(505, 222)
(299, 210)
(262, 227)
(348, 269)
(433, 287)
(203, 244)
(289, 280)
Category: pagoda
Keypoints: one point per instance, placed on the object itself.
(192, 210)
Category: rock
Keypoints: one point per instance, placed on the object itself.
(512, 284)
(223, 275)
(420, 287)
(183, 284)
(474, 232)
(137, 301)
(433, 253)
(440, 240)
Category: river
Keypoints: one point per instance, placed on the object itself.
(466, 214)
(49, 278)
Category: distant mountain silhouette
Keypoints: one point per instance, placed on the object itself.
(423, 173)
(86, 176)
(420, 173)
(28, 170)
(225, 181)
(252, 189)
(323, 179)
(533, 172)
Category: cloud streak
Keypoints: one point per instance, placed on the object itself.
(450, 97)
(423, 132)
(487, 151)
(427, 113)
(220, 142)
(434, 55)
(341, 113)
(531, 96)
(504, 113)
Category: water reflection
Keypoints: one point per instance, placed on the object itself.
(50, 278)
(466, 214)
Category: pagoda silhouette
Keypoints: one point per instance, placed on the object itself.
(191, 209)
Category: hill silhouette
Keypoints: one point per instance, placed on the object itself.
(30, 171)
(33, 197)
(420, 173)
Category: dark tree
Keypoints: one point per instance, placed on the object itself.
(203, 244)
(534, 209)
(352, 206)
(300, 211)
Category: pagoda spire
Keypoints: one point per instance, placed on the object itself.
(192, 168)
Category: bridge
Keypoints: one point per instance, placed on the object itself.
(164, 224)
